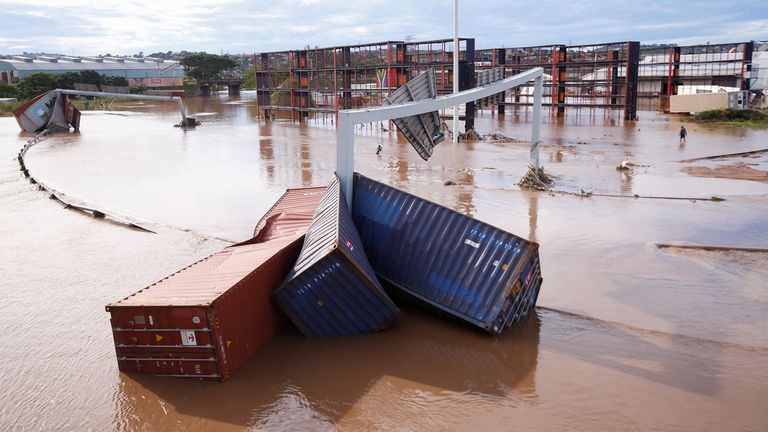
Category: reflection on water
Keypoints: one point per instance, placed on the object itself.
(678, 335)
(307, 383)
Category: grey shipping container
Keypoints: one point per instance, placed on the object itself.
(332, 289)
(467, 268)
(423, 130)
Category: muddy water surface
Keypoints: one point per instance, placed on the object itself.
(628, 336)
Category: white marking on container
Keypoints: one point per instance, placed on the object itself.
(188, 337)
(471, 243)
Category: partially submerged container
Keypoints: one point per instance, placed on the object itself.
(291, 214)
(51, 110)
(332, 290)
(467, 268)
(207, 319)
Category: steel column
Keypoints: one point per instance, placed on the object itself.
(535, 130)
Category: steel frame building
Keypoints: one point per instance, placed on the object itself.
(293, 84)
(580, 76)
(665, 71)
(614, 76)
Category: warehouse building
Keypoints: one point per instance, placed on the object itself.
(139, 71)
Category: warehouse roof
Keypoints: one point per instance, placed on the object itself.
(58, 63)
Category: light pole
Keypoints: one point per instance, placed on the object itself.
(456, 68)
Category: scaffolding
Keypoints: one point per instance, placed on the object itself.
(319, 81)
(672, 70)
(580, 76)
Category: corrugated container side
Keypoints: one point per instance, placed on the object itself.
(470, 269)
(207, 319)
(332, 290)
(34, 114)
(423, 130)
(245, 318)
(215, 337)
(159, 341)
(291, 213)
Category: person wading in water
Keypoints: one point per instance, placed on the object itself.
(683, 134)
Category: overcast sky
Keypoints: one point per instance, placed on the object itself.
(83, 27)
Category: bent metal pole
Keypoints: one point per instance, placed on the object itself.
(345, 134)
(129, 96)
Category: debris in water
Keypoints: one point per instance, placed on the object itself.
(624, 165)
(470, 135)
(537, 181)
(191, 122)
(498, 137)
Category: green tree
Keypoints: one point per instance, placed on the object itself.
(36, 84)
(67, 80)
(115, 81)
(249, 79)
(203, 66)
(89, 77)
(8, 90)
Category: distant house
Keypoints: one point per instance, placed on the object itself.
(140, 72)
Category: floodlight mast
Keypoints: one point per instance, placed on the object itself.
(345, 139)
(456, 52)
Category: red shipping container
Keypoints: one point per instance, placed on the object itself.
(292, 213)
(207, 319)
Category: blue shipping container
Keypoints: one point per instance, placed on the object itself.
(332, 289)
(470, 269)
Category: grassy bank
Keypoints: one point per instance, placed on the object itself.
(750, 118)
(6, 108)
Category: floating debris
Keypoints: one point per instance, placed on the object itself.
(624, 165)
(498, 137)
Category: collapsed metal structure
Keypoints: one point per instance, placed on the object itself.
(621, 77)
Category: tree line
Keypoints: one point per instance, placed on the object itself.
(199, 66)
(41, 82)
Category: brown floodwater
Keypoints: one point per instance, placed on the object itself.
(627, 336)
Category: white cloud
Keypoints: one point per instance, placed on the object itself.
(246, 26)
